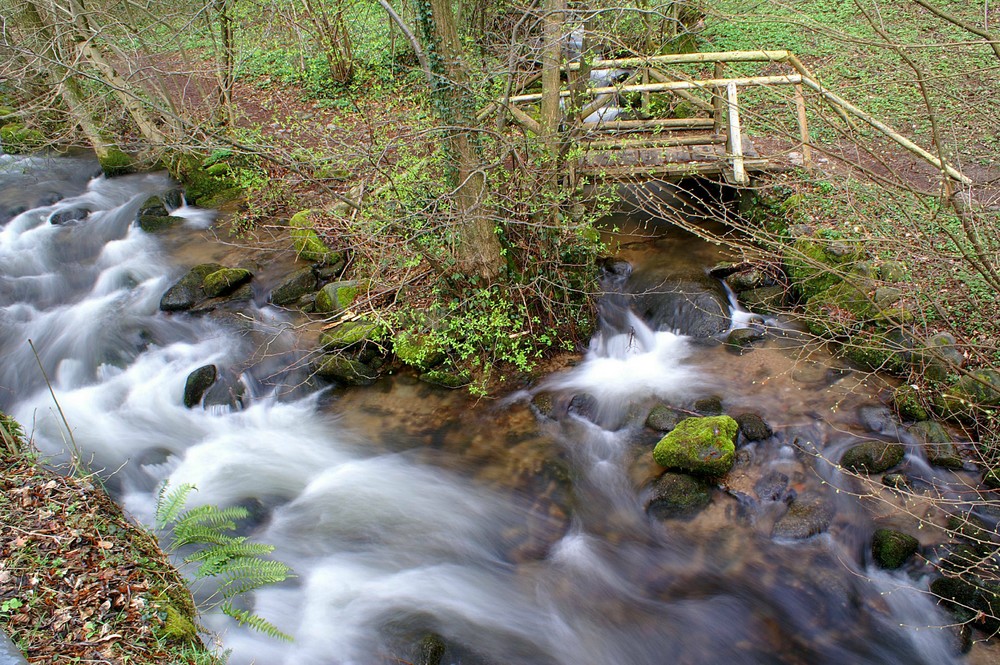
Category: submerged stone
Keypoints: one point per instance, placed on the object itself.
(663, 418)
(677, 495)
(156, 223)
(742, 338)
(891, 549)
(197, 383)
(702, 445)
(873, 456)
(806, 516)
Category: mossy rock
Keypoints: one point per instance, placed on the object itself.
(765, 300)
(940, 359)
(970, 600)
(702, 445)
(16, 139)
(345, 370)
(939, 445)
(178, 627)
(981, 387)
(299, 283)
(338, 296)
(158, 223)
(709, 406)
(908, 403)
(748, 280)
(416, 350)
(677, 495)
(664, 418)
(813, 264)
(198, 382)
(839, 310)
(307, 243)
(891, 549)
(187, 292)
(225, 281)
(446, 379)
(116, 162)
(873, 456)
(350, 333)
(545, 403)
(201, 187)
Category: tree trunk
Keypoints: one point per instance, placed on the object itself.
(478, 248)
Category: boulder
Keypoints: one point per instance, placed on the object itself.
(545, 404)
(345, 370)
(701, 445)
(709, 406)
(939, 445)
(693, 305)
(348, 334)
(338, 296)
(981, 387)
(677, 495)
(909, 403)
(765, 300)
(806, 516)
(225, 281)
(198, 382)
(228, 392)
(815, 264)
(156, 223)
(872, 456)
(939, 359)
(748, 280)
(68, 216)
(296, 285)
(742, 338)
(307, 243)
(187, 292)
(753, 427)
(891, 549)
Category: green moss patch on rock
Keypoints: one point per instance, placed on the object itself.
(350, 333)
(198, 382)
(445, 378)
(702, 445)
(891, 549)
(307, 243)
(202, 188)
(416, 350)
(939, 445)
(872, 456)
(187, 292)
(348, 371)
(338, 296)
(816, 264)
(909, 403)
(17, 139)
(158, 223)
(225, 281)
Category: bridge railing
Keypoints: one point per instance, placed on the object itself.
(660, 75)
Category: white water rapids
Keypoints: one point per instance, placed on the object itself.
(388, 544)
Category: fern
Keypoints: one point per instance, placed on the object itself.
(238, 564)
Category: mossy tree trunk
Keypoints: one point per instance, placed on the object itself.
(477, 249)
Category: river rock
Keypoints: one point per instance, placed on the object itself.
(878, 419)
(773, 486)
(691, 305)
(197, 383)
(296, 285)
(909, 403)
(940, 358)
(939, 445)
(585, 406)
(157, 223)
(765, 300)
(806, 516)
(753, 427)
(981, 387)
(69, 216)
(741, 338)
(417, 350)
(709, 406)
(872, 456)
(701, 445)
(891, 549)
(338, 296)
(345, 370)
(677, 495)
(187, 292)
(227, 392)
(970, 599)
(545, 404)
(663, 418)
(348, 334)
(225, 281)
(445, 379)
(748, 280)
(430, 650)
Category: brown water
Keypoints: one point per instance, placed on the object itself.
(514, 537)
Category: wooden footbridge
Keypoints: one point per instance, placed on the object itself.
(601, 139)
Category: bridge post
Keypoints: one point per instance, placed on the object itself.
(734, 145)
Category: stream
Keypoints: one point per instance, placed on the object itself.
(509, 533)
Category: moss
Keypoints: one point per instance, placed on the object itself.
(157, 223)
(306, 241)
(338, 296)
(116, 162)
(18, 139)
(225, 281)
(702, 445)
(891, 549)
(416, 350)
(814, 264)
(201, 187)
(446, 379)
(909, 403)
(178, 627)
(350, 333)
(345, 370)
